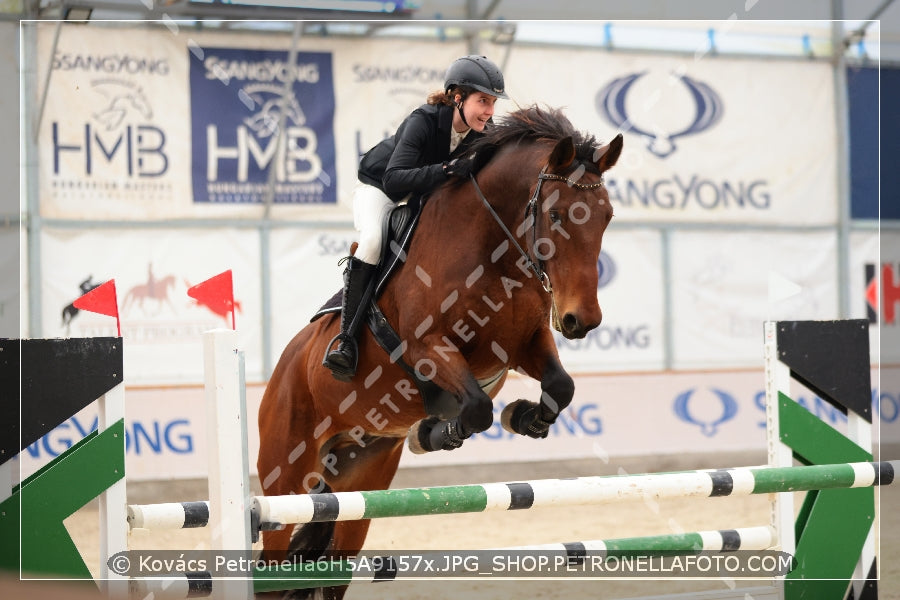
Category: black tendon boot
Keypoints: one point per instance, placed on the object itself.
(342, 360)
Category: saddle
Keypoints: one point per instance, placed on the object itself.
(398, 229)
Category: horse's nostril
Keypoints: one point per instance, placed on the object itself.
(570, 323)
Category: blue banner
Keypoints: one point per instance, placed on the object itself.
(238, 105)
(863, 99)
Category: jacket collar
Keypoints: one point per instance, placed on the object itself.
(445, 118)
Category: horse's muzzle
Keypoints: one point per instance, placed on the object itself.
(573, 327)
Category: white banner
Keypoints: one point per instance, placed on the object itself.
(631, 336)
(305, 273)
(725, 285)
(161, 325)
(114, 141)
(709, 139)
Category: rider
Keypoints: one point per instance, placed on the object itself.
(427, 149)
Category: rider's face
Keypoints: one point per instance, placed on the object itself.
(478, 108)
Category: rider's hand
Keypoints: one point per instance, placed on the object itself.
(458, 167)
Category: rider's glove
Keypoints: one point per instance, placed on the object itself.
(458, 167)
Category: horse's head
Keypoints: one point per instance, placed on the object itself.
(539, 150)
(572, 212)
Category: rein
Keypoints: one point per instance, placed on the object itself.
(537, 267)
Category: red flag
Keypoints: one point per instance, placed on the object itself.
(101, 300)
(216, 294)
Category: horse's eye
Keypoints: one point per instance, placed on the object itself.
(554, 216)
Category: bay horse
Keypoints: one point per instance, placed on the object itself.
(494, 260)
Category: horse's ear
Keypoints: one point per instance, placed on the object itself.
(606, 156)
(563, 154)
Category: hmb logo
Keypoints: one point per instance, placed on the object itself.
(119, 139)
(271, 135)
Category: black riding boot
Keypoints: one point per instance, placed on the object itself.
(342, 360)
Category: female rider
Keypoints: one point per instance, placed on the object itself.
(428, 148)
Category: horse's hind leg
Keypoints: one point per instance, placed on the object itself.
(348, 466)
(288, 449)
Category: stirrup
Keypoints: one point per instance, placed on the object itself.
(340, 372)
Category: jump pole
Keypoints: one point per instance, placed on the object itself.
(274, 511)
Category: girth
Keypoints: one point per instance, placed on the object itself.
(438, 401)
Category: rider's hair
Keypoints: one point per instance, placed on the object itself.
(442, 97)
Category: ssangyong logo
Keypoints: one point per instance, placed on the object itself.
(606, 267)
(611, 104)
(708, 412)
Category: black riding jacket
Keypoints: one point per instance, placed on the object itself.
(411, 161)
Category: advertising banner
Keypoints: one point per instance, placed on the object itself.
(631, 335)
(114, 141)
(882, 293)
(710, 139)
(726, 284)
(612, 416)
(865, 291)
(161, 326)
(149, 123)
(238, 106)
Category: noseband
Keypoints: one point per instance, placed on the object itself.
(531, 209)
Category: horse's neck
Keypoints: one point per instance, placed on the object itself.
(506, 183)
(460, 212)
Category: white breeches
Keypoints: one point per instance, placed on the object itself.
(370, 207)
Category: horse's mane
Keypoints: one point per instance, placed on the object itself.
(531, 124)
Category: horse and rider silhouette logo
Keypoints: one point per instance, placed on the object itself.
(122, 99)
(611, 104)
(70, 311)
(149, 297)
(271, 105)
(712, 418)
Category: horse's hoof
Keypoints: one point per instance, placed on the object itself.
(524, 417)
(417, 436)
(512, 413)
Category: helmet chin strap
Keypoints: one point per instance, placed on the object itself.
(459, 107)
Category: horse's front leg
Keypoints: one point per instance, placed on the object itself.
(541, 361)
(475, 408)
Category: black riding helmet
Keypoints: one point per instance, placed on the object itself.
(476, 72)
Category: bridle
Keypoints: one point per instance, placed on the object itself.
(531, 209)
